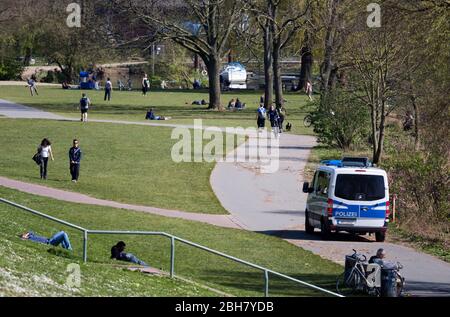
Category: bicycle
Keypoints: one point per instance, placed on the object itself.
(307, 121)
(361, 276)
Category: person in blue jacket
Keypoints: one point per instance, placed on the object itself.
(75, 155)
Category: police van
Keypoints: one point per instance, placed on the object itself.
(348, 195)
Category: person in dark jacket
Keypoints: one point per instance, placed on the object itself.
(117, 252)
(75, 155)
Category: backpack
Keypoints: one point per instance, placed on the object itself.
(261, 113)
(84, 103)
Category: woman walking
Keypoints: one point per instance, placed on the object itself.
(45, 151)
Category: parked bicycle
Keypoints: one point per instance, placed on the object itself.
(373, 279)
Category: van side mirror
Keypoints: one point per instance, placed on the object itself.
(306, 187)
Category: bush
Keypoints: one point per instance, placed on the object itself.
(421, 183)
(340, 119)
(10, 70)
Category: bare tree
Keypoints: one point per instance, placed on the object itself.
(202, 27)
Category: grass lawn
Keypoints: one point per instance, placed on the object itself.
(132, 106)
(22, 261)
(126, 163)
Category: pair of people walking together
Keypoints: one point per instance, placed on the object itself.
(44, 152)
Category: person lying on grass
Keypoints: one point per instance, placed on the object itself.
(151, 116)
(57, 239)
(117, 252)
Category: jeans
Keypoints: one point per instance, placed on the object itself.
(74, 171)
(43, 167)
(108, 94)
(61, 238)
(131, 258)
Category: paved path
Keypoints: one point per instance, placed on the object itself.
(274, 204)
(226, 221)
(269, 203)
(265, 201)
(14, 110)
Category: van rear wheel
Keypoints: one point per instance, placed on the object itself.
(308, 227)
(380, 236)
(325, 230)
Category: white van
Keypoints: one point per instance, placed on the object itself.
(348, 195)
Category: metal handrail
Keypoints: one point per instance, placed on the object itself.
(173, 238)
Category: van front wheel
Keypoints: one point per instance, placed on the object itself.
(380, 236)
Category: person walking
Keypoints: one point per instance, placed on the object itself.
(261, 117)
(45, 151)
(108, 89)
(309, 89)
(75, 155)
(145, 85)
(282, 113)
(85, 103)
(274, 119)
(31, 83)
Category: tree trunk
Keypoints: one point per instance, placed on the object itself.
(268, 68)
(327, 65)
(196, 62)
(213, 66)
(306, 67)
(278, 83)
(416, 123)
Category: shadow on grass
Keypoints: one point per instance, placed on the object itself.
(253, 282)
(303, 235)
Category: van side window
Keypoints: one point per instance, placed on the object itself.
(322, 183)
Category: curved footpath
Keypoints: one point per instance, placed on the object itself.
(267, 203)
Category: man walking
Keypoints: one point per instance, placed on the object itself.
(85, 102)
(108, 89)
(74, 159)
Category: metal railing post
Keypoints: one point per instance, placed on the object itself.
(85, 240)
(266, 282)
(173, 239)
(172, 257)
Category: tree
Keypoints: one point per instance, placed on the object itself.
(202, 27)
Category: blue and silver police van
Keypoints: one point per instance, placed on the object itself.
(348, 195)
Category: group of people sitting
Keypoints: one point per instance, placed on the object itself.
(236, 104)
(62, 238)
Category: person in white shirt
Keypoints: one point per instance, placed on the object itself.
(108, 89)
(45, 151)
(145, 85)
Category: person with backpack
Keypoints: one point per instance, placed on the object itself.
(75, 155)
(85, 103)
(145, 85)
(261, 117)
(45, 151)
(108, 89)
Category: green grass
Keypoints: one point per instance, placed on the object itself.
(132, 106)
(126, 163)
(23, 259)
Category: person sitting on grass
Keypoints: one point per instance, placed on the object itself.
(199, 102)
(239, 105)
(232, 104)
(151, 116)
(57, 239)
(117, 252)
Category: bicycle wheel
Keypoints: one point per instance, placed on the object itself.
(307, 121)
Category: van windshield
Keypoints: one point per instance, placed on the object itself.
(359, 187)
